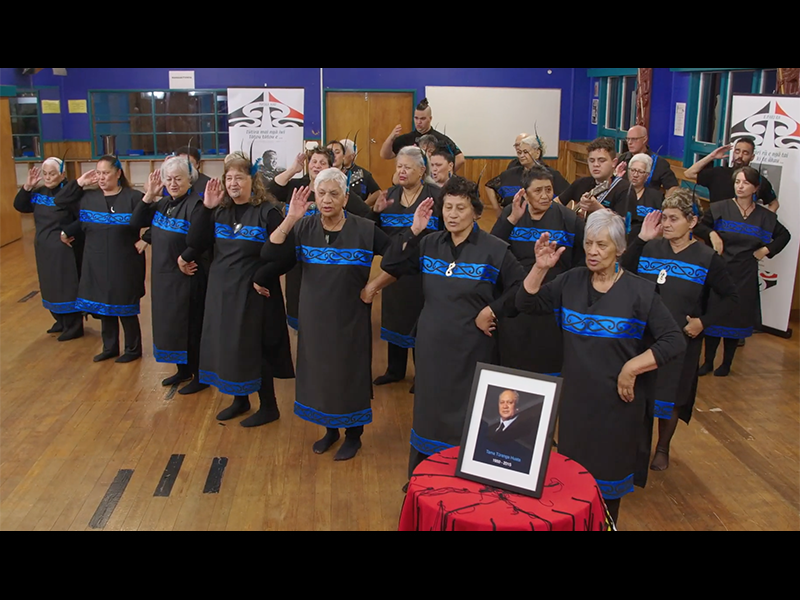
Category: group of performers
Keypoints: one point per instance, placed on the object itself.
(603, 281)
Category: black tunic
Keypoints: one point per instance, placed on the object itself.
(362, 183)
(113, 273)
(662, 178)
(458, 284)
(685, 282)
(171, 290)
(509, 183)
(617, 198)
(534, 343)
(741, 238)
(651, 201)
(56, 263)
(719, 181)
(334, 356)
(403, 301)
(602, 333)
(355, 205)
(242, 329)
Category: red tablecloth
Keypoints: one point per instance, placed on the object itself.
(438, 501)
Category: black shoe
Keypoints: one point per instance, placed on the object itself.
(176, 379)
(57, 328)
(349, 450)
(742, 343)
(128, 358)
(723, 371)
(262, 418)
(106, 355)
(239, 407)
(194, 388)
(68, 337)
(386, 380)
(326, 443)
(705, 370)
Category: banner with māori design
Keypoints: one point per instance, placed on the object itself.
(268, 125)
(773, 122)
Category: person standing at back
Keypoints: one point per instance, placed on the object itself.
(661, 177)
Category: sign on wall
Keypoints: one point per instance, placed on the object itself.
(774, 123)
(181, 80)
(270, 122)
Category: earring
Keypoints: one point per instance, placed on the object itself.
(616, 268)
(691, 236)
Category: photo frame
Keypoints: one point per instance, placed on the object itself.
(509, 431)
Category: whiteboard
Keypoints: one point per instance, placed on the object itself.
(484, 122)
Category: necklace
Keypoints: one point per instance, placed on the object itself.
(409, 203)
(745, 212)
(333, 229)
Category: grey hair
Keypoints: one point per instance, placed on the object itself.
(645, 159)
(56, 162)
(179, 166)
(334, 174)
(533, 142)
(412, 152)
(349, 146)
(607, 220)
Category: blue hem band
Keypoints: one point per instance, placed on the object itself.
(664, 410)
(293, 323)
(61, 308)
(428, 447)
(616, 490)
(401, 341)
(728, 333)
(106, 310)
(228, 387)
(170, 358)
(359, 419)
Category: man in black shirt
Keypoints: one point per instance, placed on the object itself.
(423, 118)
(661, 177)
(719, 180)
(361, 181)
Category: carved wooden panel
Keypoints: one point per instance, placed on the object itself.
(789, 81)
(644, 97)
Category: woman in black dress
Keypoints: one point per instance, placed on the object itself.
(178, 286)
(402, 302)
(468, 277)
(743, 233)
(245, 342)
(616, 330)
(648, 199)
(686, 272)
(335, 250)
(527, 342)
(57, 263)
(113, 273)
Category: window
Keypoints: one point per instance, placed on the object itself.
(618, 102)
(156, 123)
(26, 127)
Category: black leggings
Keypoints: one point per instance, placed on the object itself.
(398, 362)
(133, 334)
(712, 345)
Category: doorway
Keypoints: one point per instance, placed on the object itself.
(373, 115)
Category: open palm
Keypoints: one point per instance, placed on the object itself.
(548, 253)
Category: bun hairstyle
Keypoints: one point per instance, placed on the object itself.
(424, 105)
(239, 161)
(463, 188)
(684, 201)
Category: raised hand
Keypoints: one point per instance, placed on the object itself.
(723, 152)
(382, 203)
(547, 253)
(622, 170)
(215, 192)
(34, 177)
(299, 164)
(88, 179)
(487, 321)
(652, 228)
(519, 207)
(298, 207)
(398, 131)
(423, 217)
(154, 188)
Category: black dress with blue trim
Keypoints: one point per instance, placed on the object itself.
(242, 331)
(602, 333)
(685, 282)
(458, 284)
(509, 183)
(334, 355)
(742, 237)
(171, 291)
(113, 273)
(402, 302)
(58, 265)
(652, 200)
(534, 343)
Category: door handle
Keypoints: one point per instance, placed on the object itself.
(373, 141)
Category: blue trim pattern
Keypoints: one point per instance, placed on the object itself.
(359, 419)
(674, 268)
(723, 226)
(602, 327)
(293, 323)
(106, 310)
(509, 191)
(247, 234)
(42, 200)
(335, 257)
(401, 341)
(406, 222)
(170, 358)
(161, 221)
(427, 447)
(230, 388)
(530, 234)
(432, 266)
(644, 211)
(664, 410)
(615, 490)
(309, 213)
(61, 308)
(728, 333)
(89, 216)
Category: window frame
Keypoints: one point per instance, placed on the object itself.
(155, 115)
(605, 77)
(25, 93)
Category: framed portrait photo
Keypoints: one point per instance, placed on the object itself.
(508, 436)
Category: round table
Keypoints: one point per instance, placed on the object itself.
(439, 501)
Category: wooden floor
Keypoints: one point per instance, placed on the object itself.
(74, 436)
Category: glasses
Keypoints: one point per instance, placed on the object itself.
(638, 172)
(632, 139)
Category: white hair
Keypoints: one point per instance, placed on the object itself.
(645, 159)
(607, 220)
(413, 152)
(349, 146)
(533, 142)
(57, 163)
(331, 175)
(178, 166)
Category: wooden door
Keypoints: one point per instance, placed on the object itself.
(373, 115)
(10, 220)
